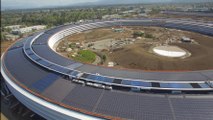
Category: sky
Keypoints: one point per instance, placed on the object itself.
(14, 4)
(23, 4)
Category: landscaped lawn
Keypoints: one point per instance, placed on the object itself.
(85, 56)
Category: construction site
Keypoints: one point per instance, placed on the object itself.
(117, 46)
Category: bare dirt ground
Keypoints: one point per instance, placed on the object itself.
(138, 55)
(5, 45)
(96, 35)
(201, 58)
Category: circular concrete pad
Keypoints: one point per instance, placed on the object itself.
(169, 51)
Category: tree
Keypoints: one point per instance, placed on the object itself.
(3, 37)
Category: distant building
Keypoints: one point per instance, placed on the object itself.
(12, 27)
(28, 29)
(11, 37)
(142, 15)
(81, 21)
(200, 9)
(133, 11)
(148, 10)
(118, 30)
(38, 27)
(114, 16)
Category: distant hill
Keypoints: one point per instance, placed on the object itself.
(150, 1)
(115, 2)
(191, 1)
(24, 4)
(132, 1)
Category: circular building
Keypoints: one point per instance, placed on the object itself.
(58, 88)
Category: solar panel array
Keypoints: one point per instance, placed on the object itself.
(52, 61)
(22, 68)
(194, 28)
(83, 97)
(135, 106)
(193, 109)
(45, 82)
(141, 106)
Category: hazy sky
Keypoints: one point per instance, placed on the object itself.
(39, 3)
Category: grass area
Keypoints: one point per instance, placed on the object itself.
(85, 56)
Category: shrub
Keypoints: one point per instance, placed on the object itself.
(138, 34)
(149, 36)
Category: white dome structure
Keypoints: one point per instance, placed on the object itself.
(169, 51)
